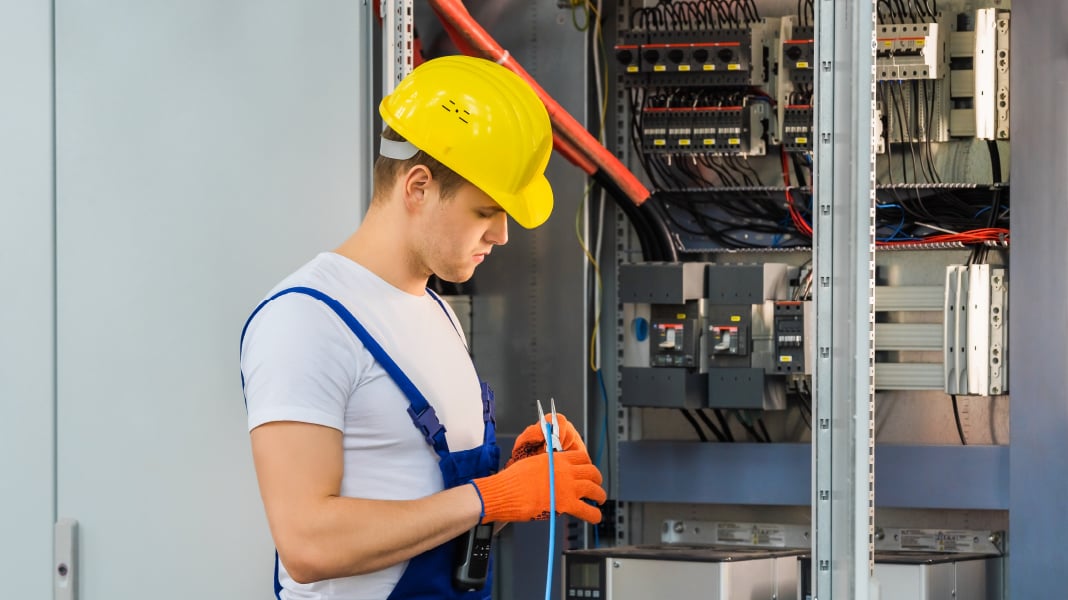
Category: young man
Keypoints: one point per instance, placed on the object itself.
(371, 434)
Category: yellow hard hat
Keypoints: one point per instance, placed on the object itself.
(485, 123)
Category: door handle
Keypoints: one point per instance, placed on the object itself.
(65, 560)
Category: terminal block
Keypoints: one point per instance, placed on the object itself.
(711, 57)
(706, 129)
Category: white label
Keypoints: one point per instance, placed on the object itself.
(753, 534)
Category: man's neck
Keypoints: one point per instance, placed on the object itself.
(375, 246)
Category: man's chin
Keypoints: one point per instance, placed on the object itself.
(456, 278)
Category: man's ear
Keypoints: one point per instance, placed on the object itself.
(415, 183)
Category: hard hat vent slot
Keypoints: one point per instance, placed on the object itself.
(454, 108)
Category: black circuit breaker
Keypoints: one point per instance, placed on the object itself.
(789, 328)
(675, 332)
(739, 325)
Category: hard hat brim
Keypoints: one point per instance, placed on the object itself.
(531, 206)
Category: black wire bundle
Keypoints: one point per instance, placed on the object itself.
(906, 214)
(899, 100)
(728, 218)
(806, 13)
(906, 11)
(695, 15)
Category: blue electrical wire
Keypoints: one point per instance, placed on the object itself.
(893, 236)
(547, 428)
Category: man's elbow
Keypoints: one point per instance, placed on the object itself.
(304, 565)
(308, 563)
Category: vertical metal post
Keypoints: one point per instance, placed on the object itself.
(365, 26)
(1038, 417)
(844, 211)
(398, 37)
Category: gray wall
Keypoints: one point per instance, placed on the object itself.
(203, 150)
(27, 299)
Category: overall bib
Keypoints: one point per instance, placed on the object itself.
(428, 576)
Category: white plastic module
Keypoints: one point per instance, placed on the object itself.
(976, 332)
(909, 51)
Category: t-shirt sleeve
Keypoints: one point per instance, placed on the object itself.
(299, 363)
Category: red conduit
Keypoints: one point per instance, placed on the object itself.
(573, 156)
(572, 139)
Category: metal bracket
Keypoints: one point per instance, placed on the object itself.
(398, 37)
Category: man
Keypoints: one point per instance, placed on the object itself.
(372, 436)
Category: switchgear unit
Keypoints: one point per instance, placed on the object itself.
(709, 335)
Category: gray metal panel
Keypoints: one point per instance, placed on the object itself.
(772, 474)
(661, 283)
(204, 151)
(964, 477)
(1039, 419)
(664, 387)
(737, 387)
(528, 314)
(844, 263)
(746, 284)
(27, 304)
(528, 311)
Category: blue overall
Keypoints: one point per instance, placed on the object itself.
(429, 575)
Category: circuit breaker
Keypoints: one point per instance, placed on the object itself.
(756, 336)
(663, 356)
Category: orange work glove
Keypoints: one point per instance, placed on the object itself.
(521, 492)
(532, 440)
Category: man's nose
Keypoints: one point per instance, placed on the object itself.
(498, 230)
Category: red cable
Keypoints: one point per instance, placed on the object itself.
(795, 215)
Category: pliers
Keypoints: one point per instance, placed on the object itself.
(552, 437)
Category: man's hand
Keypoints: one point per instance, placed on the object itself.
(521, 491)
(532, 441)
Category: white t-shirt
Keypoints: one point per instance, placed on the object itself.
(302, 363)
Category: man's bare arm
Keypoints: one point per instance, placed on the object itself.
(321, 535)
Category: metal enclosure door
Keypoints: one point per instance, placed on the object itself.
(203, 151)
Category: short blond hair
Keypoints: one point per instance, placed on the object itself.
(387, 170)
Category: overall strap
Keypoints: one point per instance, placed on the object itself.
(420, 411)
(488, 404)
(446, 311)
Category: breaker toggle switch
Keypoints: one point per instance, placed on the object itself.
(724, 339)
